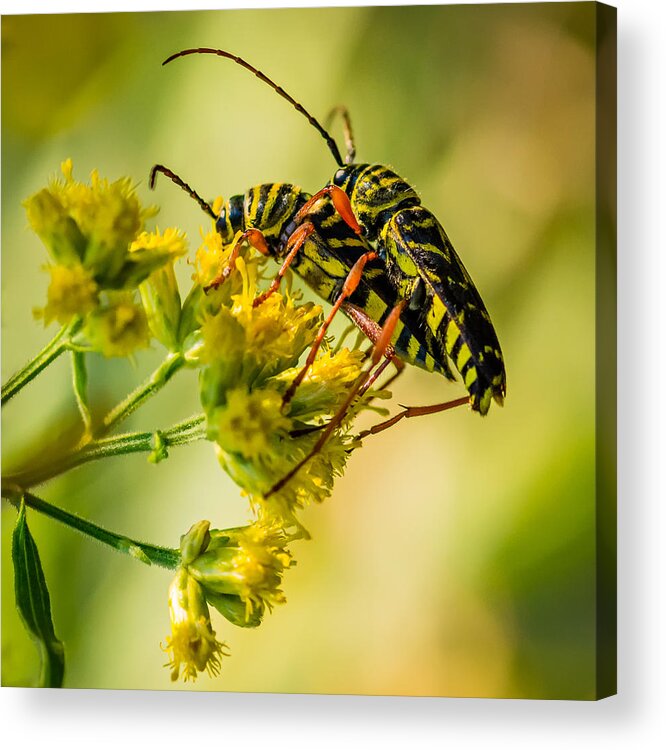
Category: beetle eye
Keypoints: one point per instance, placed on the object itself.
(221, 223)
(339, 176)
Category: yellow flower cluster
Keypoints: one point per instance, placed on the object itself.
(237, 571)
(248, 420)
(247, 562)
(92, 225)
(249, 357)
(101, 256)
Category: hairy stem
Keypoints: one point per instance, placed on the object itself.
(147, 553)
(58, 344)
(156, 442)
(162, 375)
(80, 386)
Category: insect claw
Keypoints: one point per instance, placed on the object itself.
(217, 282)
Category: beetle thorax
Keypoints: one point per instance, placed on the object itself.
(375, 193)
(271, 207)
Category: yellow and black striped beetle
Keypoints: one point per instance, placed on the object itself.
(367, 245)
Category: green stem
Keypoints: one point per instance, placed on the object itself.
(131, 442)
(58, 344)
(147, 553)
(174, 362)
(80, 385)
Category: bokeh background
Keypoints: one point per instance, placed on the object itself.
(457, 556)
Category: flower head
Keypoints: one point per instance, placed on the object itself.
(248, 421)
(118, 328)
(72, 292)
(263, 340)
(192, 646)
(246, 562)
(90, 224)
(248, 357)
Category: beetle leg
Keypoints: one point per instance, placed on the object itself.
(296, 240)
(340, 202)
(253, 237)
(399, 369)
(413, 411)
(372, 330)
(378, 351)
(348, 288)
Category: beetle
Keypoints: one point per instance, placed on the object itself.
(366, 244)
(420, 261)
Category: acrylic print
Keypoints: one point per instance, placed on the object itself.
(308, 351)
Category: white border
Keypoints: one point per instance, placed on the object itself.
(635, 718)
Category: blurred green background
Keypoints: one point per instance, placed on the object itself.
(457, 555)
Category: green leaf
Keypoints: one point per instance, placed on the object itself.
(34, 604)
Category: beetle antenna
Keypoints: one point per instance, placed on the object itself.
(332, 145)
(161, 169)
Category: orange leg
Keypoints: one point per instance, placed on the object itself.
(378, 351)
(399, 366)
(373, 331)
(341, 203)
(296, 239)
(349, 287)
(414, 411)
(253, 237)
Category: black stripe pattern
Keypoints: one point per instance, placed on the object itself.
(416, 251)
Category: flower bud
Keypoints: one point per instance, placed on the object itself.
(50, 221)
(159, 291)
(195, 541)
